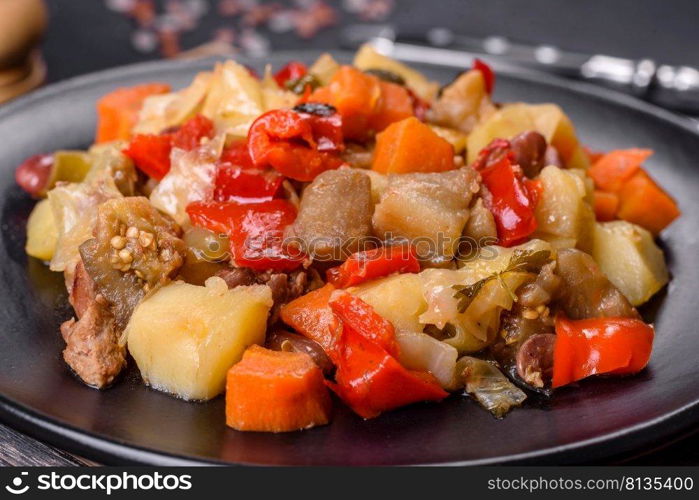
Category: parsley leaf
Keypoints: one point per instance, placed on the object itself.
(521, 261)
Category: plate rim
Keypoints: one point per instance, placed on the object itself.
(109, 450)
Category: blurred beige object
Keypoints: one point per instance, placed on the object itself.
(210, 49)
(22, 68)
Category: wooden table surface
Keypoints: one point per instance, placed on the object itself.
(17, 449)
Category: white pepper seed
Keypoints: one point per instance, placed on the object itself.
(118, 242)
(530, 314)
(125, 256)
(145, 239)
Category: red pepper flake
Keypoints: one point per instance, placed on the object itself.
(143, 12)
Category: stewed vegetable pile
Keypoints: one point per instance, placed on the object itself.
(348, 230)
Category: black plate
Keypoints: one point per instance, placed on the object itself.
(131, 423)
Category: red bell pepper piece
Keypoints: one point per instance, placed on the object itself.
(359, 342)
(495, 151)
(372, 264)
(246, 185)
(189, 135)
(511, 200)
(488, 74)
(292, 71)
(237, 154)
(296, 144)
(371, 381)
(151, 153)
(361, 317)
(238, 180)
(255, 231)
(615, 346)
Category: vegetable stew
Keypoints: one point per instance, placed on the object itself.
(347, 234)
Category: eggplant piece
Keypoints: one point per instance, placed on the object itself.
(586, 292)
(463, 103)
(108, 158)
(334, 218)
(135, 250)
(427, 209)
(481, 228)
(529, 318)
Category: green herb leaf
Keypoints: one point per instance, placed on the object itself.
(521, 261)
(386, 75)
(466, 293)
(528, 261)
(299, 85)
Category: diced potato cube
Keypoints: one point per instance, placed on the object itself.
(547, 119)
(463, 103)
(274, 96)
(42, 234)
(185, 337)
(397, 298)
(505, 123)
(324, 68)
(456, 138)
(564, 215)
(629, 257)
(551, 122)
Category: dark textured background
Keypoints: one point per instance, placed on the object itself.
(85, 36)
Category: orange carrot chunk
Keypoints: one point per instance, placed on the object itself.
(411, 146)
(311, 316)
(644, 203)
(117, 112)
(394, 105)
(276, 391)
(606, 205)
(356, 96)
(613, 169)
